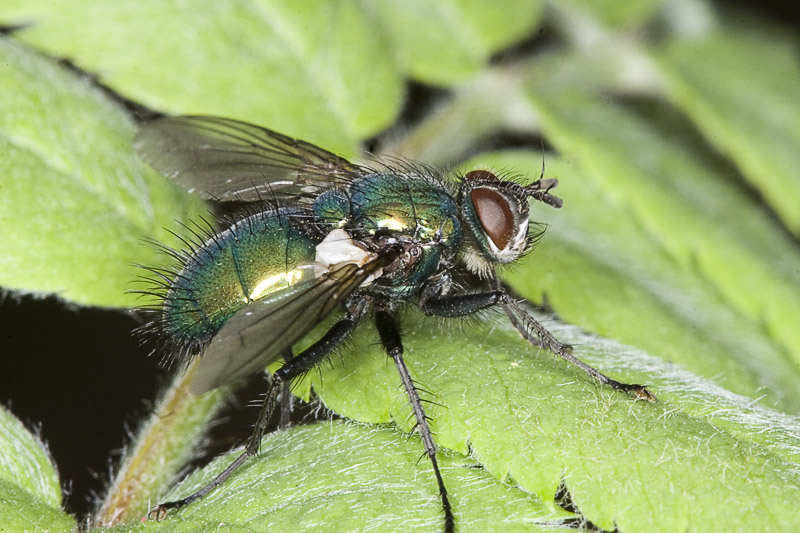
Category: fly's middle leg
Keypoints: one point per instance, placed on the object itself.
(392, 342)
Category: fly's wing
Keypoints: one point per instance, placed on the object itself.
(224, 159)
(260, 333)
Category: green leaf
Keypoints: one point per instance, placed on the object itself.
(30, 495)
(740, 85)
(75, 202)
(334, 476)
(700, 458)
(626, 463)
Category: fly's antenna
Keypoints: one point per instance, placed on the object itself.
(541, 141)
(540, 190)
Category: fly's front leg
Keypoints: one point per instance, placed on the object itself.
(527, 326)
(526, 334)
(390, 338)
(281, 379)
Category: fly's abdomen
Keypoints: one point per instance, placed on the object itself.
(251, 259)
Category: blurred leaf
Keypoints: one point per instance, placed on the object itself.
(616, 14)
(300, 68)
(320, 70)
(75, 202)
(463, 33)
(740, 86)
(30, 495)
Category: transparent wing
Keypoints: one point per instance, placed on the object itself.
(260, 333)
(224, 159)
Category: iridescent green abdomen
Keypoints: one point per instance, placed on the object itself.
(256, 256)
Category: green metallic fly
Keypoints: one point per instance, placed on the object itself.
(321, 236)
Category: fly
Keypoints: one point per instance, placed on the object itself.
(323, 235)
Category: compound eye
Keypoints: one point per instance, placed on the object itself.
(494, 214)
(483, 175)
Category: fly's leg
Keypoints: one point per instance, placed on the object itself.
(525, 324)
(390, 338)
(286, 397)
(528, 327)
(532, 339)
(282, 378)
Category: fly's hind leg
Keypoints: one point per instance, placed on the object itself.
(281, 379)
(286, 397)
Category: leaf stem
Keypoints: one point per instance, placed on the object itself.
(163, 446)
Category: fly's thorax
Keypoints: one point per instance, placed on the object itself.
(333, 207)
(414, 205)
(412, 210)
(252, 258)
(495, 213)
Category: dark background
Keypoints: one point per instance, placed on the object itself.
(79, 377)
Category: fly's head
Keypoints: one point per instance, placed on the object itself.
(495, 215)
